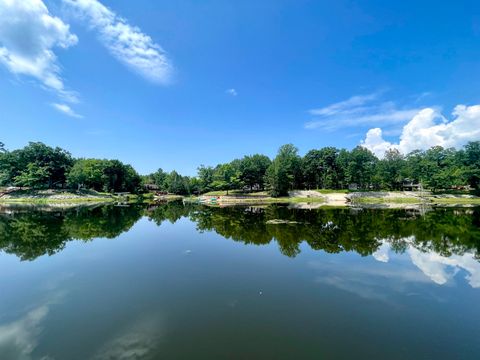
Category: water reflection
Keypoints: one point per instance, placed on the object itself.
(440, 242)
(32, 233)
(20, 337)
(172, 286)
(138, 340)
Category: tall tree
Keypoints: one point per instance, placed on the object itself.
(320, 168)
(391, 170)
(175, 183)
(472, 163)
(227, 177)
(284, 173)
(358, 166)
(205, 176)
(253, 169)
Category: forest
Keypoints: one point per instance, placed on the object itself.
(39, 166)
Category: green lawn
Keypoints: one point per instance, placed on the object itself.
(235, 192)
(384, 200)
(465, 201)
(329, 191)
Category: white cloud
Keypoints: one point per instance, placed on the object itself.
(368, 281)
(139, 340)
(126, 42)
(20, 338)
(440, 268)
(429, 128)
(382, 253)
(375, 143)
(351, 105)
(28, 35)
(232, 92)
(67, 110)
(357, 111)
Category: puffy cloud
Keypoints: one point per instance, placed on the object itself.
(440, 268)
(429, 128)
(67, 110)
(375, 143)
(357, 111)
(382, 253)
(126, 42)
(28, 35)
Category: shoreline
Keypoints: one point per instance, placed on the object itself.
(314, 199)
(297, 198)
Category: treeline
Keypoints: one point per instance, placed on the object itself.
(40, 166)
(332, 168)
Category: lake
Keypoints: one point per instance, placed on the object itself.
(178, 281)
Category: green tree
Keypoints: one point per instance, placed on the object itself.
(35, 176)
(226, 177)
(320, 168)
(253, 169)
(358, 166)
(36, 165)
(391, 170)
(104, 175)
(205, 176)
(441, 169)
(175, 183)
(87, 173)
(284, 173)
(159, 178)
(471, 160)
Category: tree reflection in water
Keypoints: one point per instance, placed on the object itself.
(445, 231)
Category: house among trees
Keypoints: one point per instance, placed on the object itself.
(353, 186)
(151, 187)
(409, 185)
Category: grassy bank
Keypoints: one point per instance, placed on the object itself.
(326, 197)
(55, 197)
(456, 201)
(389, 200)
(337, 198)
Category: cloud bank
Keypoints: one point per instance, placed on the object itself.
(125, 42)
(28, 36)
(430, 128)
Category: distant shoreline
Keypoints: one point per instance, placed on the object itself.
(318, 198)
(299, 198)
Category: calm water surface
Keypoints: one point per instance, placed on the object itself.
(183, 282)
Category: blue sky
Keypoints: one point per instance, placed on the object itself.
(203, 82)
